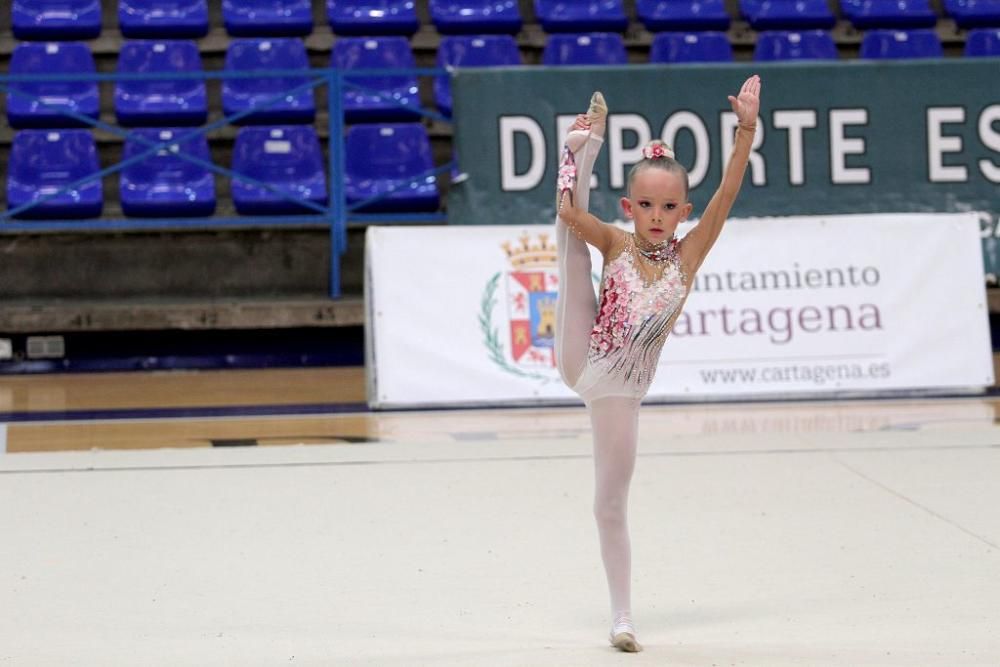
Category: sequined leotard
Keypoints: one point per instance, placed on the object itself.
(633, 319)
(610, 348)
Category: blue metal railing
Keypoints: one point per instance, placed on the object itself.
(336, 215)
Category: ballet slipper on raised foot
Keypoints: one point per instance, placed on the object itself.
(588, 125)
(597, 114)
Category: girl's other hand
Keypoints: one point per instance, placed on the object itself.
(747, 104)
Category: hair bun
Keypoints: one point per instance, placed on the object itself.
(657, 150)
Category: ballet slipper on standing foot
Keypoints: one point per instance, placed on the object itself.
(590, 124)
(623, 637)
(625, 642)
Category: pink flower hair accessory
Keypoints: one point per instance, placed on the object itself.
(655, 150)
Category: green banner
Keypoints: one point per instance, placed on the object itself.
(838, 137)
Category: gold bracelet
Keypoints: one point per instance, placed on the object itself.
(749, 128)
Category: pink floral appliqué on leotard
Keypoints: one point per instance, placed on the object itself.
(567, 172)
(632, 319)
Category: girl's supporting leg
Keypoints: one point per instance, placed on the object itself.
(615, 424)
(577, 305)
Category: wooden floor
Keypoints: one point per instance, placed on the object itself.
(179, 389)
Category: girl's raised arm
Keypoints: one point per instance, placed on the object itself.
(581, 223)
(585, 225)
(697, 243)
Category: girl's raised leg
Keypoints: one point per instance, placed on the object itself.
(577, 305)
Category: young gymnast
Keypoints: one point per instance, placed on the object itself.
(607, 351)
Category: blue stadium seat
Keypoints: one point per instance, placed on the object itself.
(56, 19)
(805, 45)
(385, 98)
(165, 185)
(471, 51)
(983, 42)
(163, 19)
(694, 15)
(44, 161)
(596, 48)
(162, 102)
(581, 15)
(690, 47)
(891, 44)
(787, 14)
(81, 97)
(974, 13)
(243, 94)
(372, 17)
(476, 17)
(865, 14)
(288, 157)
(380, 158)
(267, 18)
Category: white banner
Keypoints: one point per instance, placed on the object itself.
(782, 307)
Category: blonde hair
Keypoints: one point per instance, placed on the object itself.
(658, 155)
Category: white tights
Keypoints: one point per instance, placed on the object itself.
(615, 424)
(613, 419)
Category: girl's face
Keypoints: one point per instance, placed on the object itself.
(657, 204)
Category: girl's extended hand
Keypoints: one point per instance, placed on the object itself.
(747, 104)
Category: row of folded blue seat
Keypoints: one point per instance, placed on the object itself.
(376, 98)
(866, 14)
(162, 101)
(81, 19)
(390, 159)
(714, 46)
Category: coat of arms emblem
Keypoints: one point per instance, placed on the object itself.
(522, 342)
